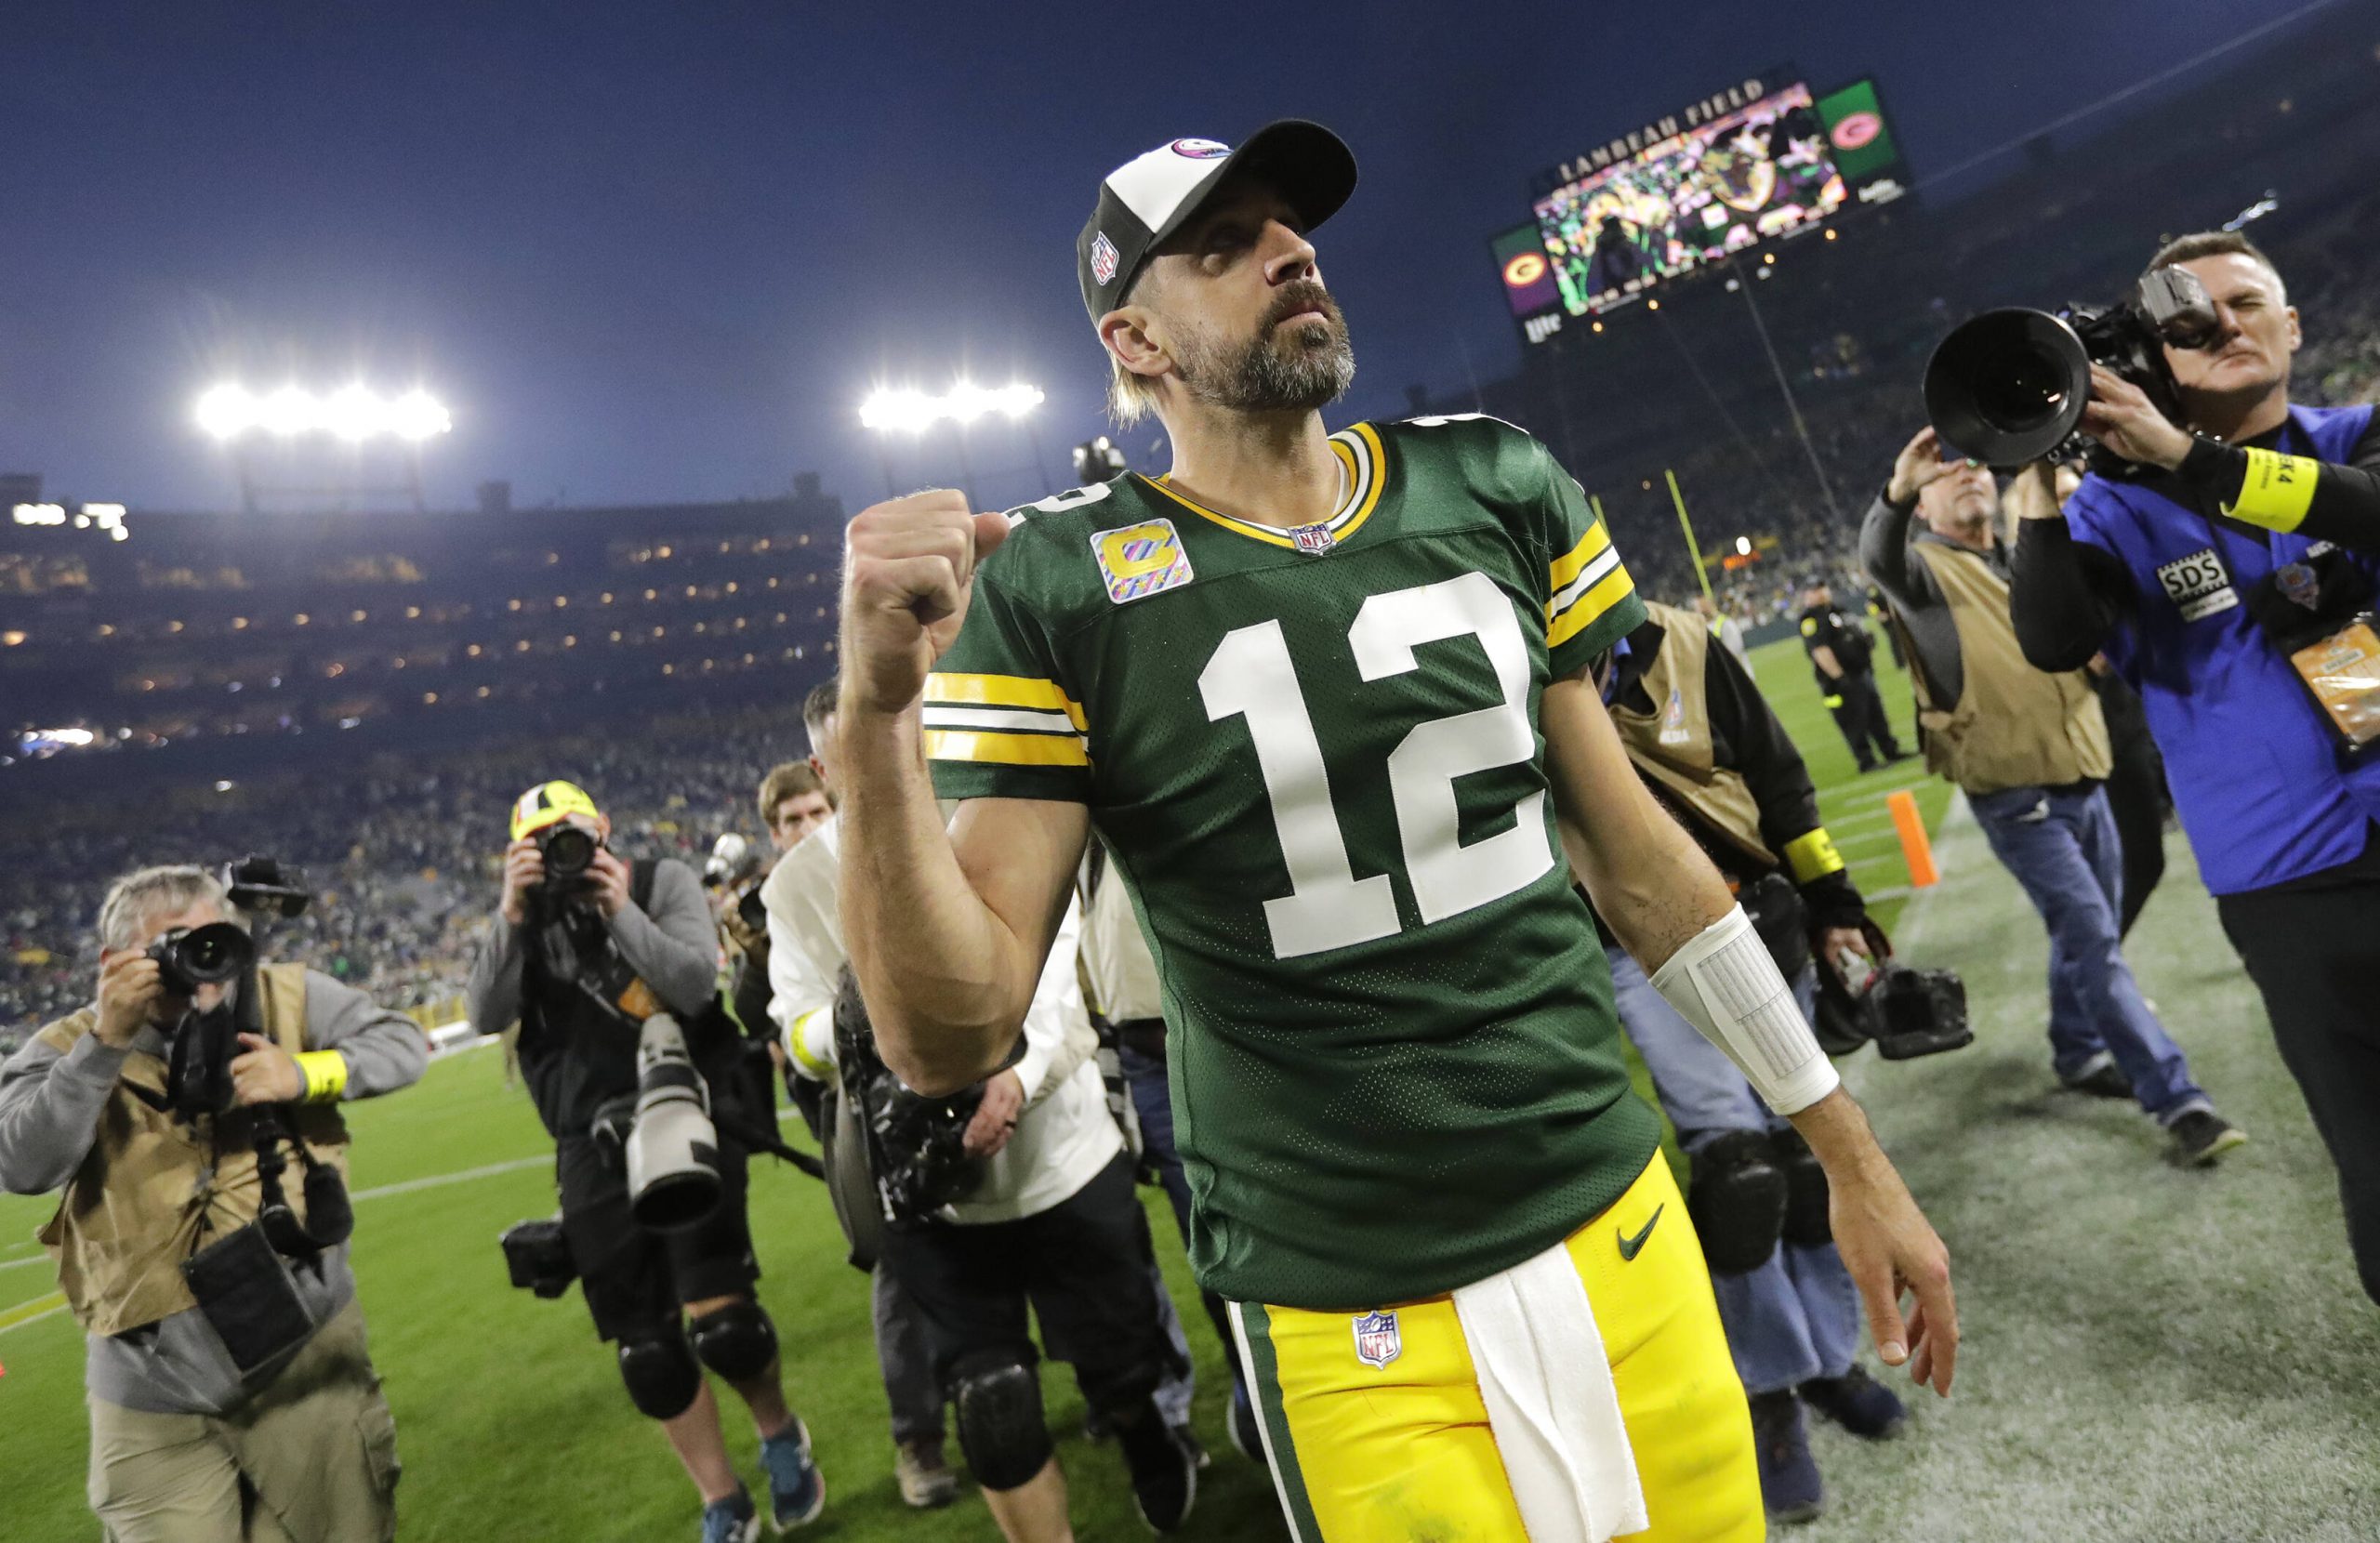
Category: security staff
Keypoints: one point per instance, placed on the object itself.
(1843, 661)
(2216, 578)
(195, 1438)
(2030, 751)
(580, 962)
(1713, 753)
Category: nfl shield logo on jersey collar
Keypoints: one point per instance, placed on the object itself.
(1377, 1339)
(1312, 540)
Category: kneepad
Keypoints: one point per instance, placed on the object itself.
(660, 1371)
(1737, 1202)
(739, 1341)
(1000, 1428)
(1806, 1221)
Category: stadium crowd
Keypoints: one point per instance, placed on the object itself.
(400, 860)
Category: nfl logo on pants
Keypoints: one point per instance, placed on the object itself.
(1377, 1342)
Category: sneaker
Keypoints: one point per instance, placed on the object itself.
(1857, 1403)
(1790, 1487)
(924, 1476)
(1165, 1473)
(797, 1490)
(734, 1520)
(2104, 1081)
(2201, 1136)
(1246, 1434)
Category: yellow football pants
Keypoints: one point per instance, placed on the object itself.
(1402, 1452)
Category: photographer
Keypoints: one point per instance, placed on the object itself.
(231, 1392)
(793, 804)
(1712, 754)
(1048, 1217)
(2226, 573)
(587, 951)
(2031, 750)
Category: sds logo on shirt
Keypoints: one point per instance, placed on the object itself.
(2199, 585)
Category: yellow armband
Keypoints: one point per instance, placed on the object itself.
(1812, 856)
(2277, 490)
(325, 1075)
(797, 1040)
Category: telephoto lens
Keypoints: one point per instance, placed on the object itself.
(672, 1149)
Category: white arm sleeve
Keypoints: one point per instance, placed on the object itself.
(802, 1002)
(1723, 983)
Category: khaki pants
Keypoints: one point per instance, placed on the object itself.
(312, 1459)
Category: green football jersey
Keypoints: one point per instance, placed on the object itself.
(1313, 756)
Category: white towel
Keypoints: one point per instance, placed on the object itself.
(1551, 1403)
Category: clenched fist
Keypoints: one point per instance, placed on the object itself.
(908, 567)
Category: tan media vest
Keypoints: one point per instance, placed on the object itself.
(1672, 744)
(2013, 726)
(152, 1191)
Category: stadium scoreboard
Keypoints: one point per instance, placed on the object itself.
(1763, 160)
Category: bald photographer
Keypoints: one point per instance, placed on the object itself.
(191, 1117)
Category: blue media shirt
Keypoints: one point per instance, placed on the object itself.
(2258, 779)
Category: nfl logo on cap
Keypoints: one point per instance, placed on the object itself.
(1102, 258)
(1377, 1339)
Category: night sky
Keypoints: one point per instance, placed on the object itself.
(658, 252)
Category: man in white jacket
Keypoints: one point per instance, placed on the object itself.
(1055, 1222)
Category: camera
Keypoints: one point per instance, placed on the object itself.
(2007, 387)
(189, 958)
(568, 852)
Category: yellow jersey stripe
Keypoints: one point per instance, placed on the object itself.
(1006, 749)
(1364, 466)
(1615, 585)
(1589, 546)
(1003, 690)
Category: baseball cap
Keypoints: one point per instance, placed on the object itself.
(550, 803)
(1149, 197)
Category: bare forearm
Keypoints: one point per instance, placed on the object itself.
(1647, 880)
(1837, 1129)
(944, 978)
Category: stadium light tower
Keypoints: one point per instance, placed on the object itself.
(232, 415)
(891, 410)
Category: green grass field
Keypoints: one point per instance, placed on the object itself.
(2150, 1354)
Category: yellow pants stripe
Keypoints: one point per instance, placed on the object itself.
(1402, 1450)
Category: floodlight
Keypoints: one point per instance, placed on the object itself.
(353, 413)
(907, 410)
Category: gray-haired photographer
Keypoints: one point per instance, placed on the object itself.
(610, 968)
(190, 1115)
(2224, 553)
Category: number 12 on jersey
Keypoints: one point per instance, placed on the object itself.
(1250, 675)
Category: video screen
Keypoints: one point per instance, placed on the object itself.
(1762, 172)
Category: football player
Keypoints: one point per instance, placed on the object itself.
(1324, 698)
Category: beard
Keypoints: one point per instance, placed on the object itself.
(1293, 370)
